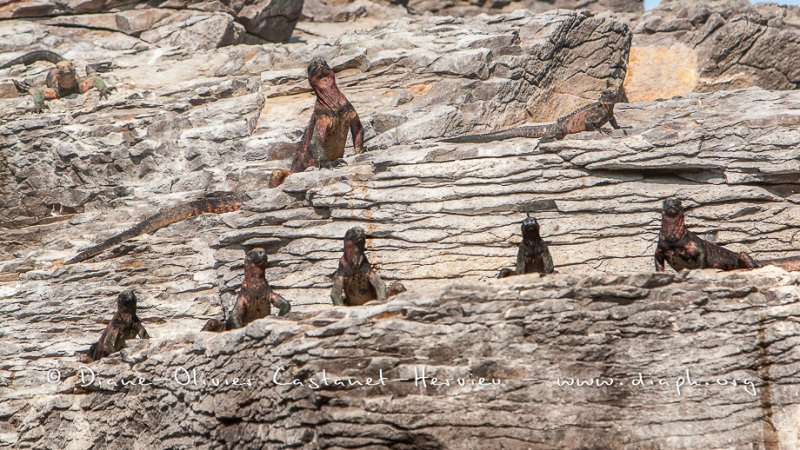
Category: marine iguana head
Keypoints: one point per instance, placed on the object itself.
(323, 82)
(65, 68)
(609, 96)
(257, 256)
(672, 207)
(355, 242)
(673, 226)
(530, 229)
(126, 303)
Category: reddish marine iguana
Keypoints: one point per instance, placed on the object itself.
(589, 118)
(354, 282)
(255, 297)
(124, 325)
(62, 82)
(164, 218)
(533, 255)
(683, 249)
(326, 134)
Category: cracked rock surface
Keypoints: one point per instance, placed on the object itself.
(685, 46)
(692, 360)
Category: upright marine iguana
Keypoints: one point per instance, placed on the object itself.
(589, 118)
(683, 249)
(163, 218)
(124, 325)
(533, 255)
(326, 134)
(255, 296)
(355, 282)
(61, 82)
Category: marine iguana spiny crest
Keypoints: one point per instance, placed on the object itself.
(326, 134)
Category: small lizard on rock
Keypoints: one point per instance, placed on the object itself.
(683, 249)
(533, 255)
(355, 282)
(62, 82)
(162, 219)
(255, 296)
(589, 118)
(326, 134)
(124, 325)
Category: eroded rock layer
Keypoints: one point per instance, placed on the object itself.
(700, 360)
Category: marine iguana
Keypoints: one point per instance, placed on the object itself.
(124, 325)
(589, 118)
(533, 255)
(163, 218)
(355, 282)
(61, 82)
(326, 134)
(255, 296)
(683, 249)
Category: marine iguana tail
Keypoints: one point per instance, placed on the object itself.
(589, 118)
(791, 264)
(162, 219)
(683, 249)
(32, 57)
(53, 57)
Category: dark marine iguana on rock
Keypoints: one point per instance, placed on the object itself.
(124, 325)
(163, 218)
(326, 134)
(255, 296)
(683, 249)
(355, 282)
(589, 118)
(533, 255)
(61, 82)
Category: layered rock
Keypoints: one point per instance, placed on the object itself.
(178, 138)
(700, 360)
(473, 7)
(682, 47)
(187, 24)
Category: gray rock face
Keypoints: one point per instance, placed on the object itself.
(187, 24)
(525, 362)
(271, 20)
(472, 7)
(685, 46)
(479, 71)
